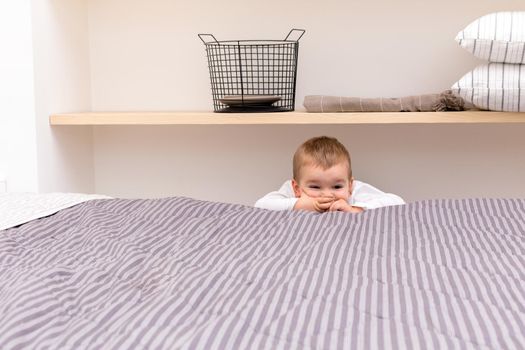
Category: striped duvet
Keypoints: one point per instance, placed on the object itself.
(180, 273)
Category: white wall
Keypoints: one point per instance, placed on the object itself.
(145, 55)
(18, 156)
(62, 84)
(44, 69)
(240, 163)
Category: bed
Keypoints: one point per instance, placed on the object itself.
(179, 273)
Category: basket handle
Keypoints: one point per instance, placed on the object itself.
(302, 31)
(204, 41)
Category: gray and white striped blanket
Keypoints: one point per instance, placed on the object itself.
(180, 273)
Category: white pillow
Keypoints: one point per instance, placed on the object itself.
(494, 87)
(496, 37)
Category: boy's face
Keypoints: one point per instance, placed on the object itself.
(316, 182)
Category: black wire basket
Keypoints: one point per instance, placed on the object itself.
(253, 75)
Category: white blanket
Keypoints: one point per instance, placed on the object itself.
(19, 208)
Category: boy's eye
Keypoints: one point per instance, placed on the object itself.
(314, 187)
(338, 187)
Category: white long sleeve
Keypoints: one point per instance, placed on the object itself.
(283, 199)
(370, 197)
(363, 195)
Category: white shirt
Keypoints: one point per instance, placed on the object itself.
(363, 195)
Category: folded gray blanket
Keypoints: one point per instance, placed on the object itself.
(445, 101)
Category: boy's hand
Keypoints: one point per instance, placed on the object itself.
(342, 205)
(318, 204)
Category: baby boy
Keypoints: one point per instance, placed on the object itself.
(322, 181)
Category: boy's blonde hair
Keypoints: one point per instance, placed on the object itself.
(322, 151)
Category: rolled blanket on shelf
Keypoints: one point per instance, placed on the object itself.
(445, 101)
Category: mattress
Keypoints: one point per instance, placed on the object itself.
(179, 273)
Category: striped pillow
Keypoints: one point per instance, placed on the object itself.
(494, 87)
(496, 37)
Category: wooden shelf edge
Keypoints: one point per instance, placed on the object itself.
(283, 118)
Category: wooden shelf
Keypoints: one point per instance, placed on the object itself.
(210, 118)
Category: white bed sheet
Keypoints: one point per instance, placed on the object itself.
(19, 208)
